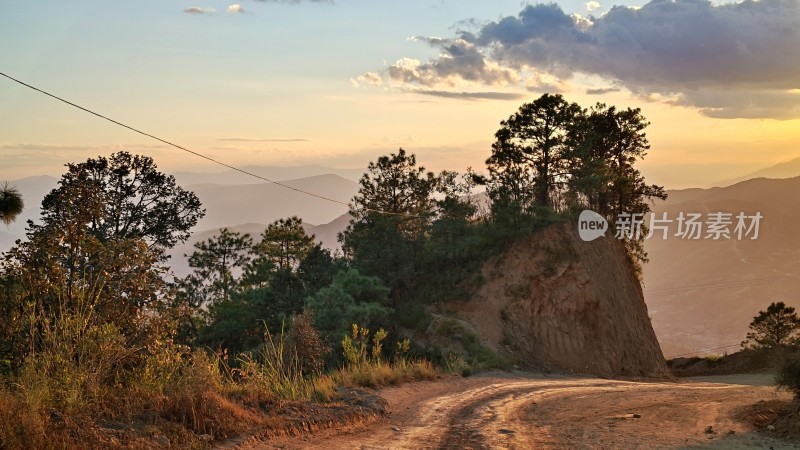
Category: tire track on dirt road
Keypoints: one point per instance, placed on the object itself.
(548, 412)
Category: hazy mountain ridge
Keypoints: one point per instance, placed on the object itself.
(6, 240)
(325, 234)
(225, 205)
(274, 173)
(737, 278)
(33, 190)
(786, 169)
(266, 202)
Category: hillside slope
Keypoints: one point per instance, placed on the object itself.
(556, 301)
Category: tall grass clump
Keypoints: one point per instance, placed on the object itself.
(365, 366)
(276, 368)
(87, 383)
(81, 370)
(73, 361)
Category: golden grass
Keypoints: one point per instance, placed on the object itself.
(83, 388)
(375, 374)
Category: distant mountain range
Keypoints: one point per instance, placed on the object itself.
(325, 234)
(787, 169)
(274, 173)
(265, 202)
(702, 294)
(33, 190)
(226, 205)
(6, 240)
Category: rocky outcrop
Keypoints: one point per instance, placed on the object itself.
(555, 301)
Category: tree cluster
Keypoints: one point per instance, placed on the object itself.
(778, 326)
(240, 288)
(554, 154)
(97, 251)
(414, 239)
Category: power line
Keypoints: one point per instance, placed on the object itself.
(723, 285)
(717, 283)
(738, 344)
(208, 158)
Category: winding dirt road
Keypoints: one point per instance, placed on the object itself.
(499, 411)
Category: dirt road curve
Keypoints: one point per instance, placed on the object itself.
(556, 412)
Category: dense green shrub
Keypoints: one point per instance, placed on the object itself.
(788, 376)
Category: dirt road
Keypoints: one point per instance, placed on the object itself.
(499, 411)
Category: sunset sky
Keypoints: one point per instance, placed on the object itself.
(340, 82)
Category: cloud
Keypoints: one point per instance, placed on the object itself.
(593, 5)
(236, 9)
(430, 40)
(369, 78)
(726, 60)
(263, 140)
(48, 158)
(723, 104)
(469, 95)
(199, 10)
(295, 2)
(545, 82)
(459, 61)
(602, 91)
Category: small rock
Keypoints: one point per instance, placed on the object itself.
(505, 431)
(206, 438)
(730, 432)
(637, 416)
(395, 429)
(162, 441)
(710, 430)
(771, 427)
(56, 416)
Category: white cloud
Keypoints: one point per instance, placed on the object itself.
(235, 9)
(593, 5)
(542, 82)
(199, 10)
(368, 78)
(430, 40)
(295, 2)
(459, 63)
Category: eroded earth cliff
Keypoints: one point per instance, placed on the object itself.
(555, 301)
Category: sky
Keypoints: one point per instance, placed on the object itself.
(339, 83)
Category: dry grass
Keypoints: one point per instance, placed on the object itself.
(365, 365)
(86, 387)
(374, 374)
(325, 388)
(22, 424)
